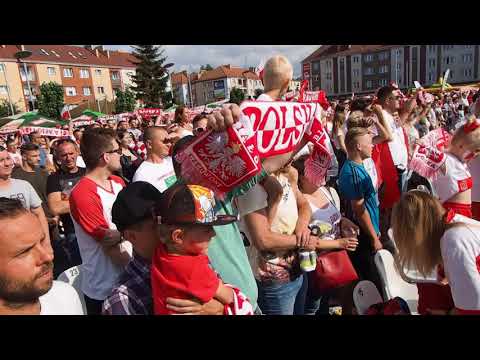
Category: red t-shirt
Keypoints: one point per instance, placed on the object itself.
(181, 277)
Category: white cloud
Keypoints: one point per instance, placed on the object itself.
(191, 57)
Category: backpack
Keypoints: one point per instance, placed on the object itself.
(395, 306)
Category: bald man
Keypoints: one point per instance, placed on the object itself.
(277, 74)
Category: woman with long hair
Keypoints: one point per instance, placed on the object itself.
(429, 237)
(325, 207)
(128, 160)
(183, 125)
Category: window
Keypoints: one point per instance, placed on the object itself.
(84, 74)
(100, 90)
(400, 80)
(398, 52)
(399, 66)
(431, 48)
(115, 75)
(328, 76)
(452, 74)
(431, 62)
(431, 76)
(369, 84)
(44, 52)
(26, 92)
(369, 57)
(467, 72)
(369, 71)
(68, 72)
(383, 69)
(51, 71)
(383, 82)
(54, 53)
(356, 72)
(71, 91)
(356, 84)
(356, 59)
(382, 56)
(98, 72)
(468, 46)
(29, 71)
(467, 58)
(86, 91)
(2, 67)
(315, 66)
(71, 54)
(3, 89)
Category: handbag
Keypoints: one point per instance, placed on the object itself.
(334, 268)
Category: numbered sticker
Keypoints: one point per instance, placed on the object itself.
(74, 272)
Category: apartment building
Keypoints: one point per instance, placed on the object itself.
(215, 85)
(341, 70)
(86, 73)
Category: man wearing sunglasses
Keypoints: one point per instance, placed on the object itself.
(392, 157)
(157, 169)
(103, 250)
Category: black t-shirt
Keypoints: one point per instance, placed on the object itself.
(38, 180)
(57, 182)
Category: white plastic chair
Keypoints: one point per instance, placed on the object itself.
(73, 276)
(365, 294)
(393, 284)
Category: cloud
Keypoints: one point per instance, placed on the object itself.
(191, 57)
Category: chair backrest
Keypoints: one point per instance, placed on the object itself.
(73, 276)
(365, 294)
(393, 284)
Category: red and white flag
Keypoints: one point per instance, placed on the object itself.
(259, 69)
(65, 113)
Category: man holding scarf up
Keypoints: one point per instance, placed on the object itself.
(391, 157)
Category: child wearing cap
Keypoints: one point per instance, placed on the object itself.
(180, 266)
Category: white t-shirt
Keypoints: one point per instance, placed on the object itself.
(91, 212)
(474, 167)
(264, 97)
(369, 165)
(457, 179)
(460, 248)
(162, 175)
(61, 299)
(398, 148)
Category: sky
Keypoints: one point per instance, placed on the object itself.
(191, 57)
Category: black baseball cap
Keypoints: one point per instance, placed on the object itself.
(189, 205)
(134, 204)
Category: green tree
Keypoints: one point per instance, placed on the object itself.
(124, 101)
(50, 100)
(5, 108)
(258, 92)
(151, 78)
(206, 67)
(237, 95)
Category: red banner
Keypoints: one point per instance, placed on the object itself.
(149, 112)
(53, 132)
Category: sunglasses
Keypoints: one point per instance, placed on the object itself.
(118, 151)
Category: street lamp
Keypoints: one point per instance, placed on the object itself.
(23, 55)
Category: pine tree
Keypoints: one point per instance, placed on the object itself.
(150, 78)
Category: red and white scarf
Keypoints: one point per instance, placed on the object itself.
(222, 161)
(240, 305)
(429, 157)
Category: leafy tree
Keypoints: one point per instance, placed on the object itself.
(50, 100)
(258, 92)
(151, 78)
(124, 101)
(5, 108)
(206, 67)
(237, 96)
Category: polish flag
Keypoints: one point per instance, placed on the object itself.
(259, 69)
(65, 113)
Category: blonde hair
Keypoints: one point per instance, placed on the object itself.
(418, 225)
(277, 72)
(357, 119)
(352, 135)
(470, 140)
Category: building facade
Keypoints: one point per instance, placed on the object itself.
(85, 73)
(341, 70)
(215, 85)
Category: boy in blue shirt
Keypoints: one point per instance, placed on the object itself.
(356, 187)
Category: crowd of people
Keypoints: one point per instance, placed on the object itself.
(111, 199)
